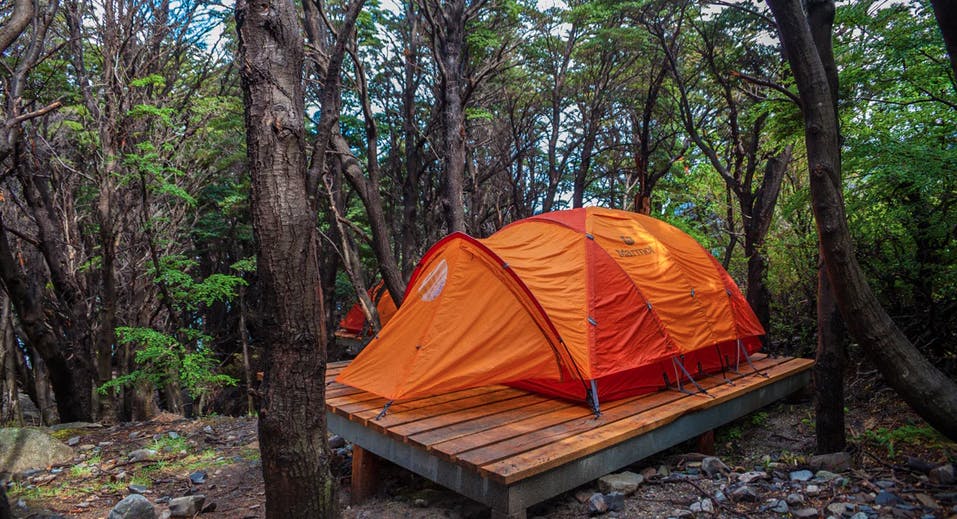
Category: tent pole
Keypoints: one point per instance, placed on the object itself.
(690, 378)
(748, 359)
(593, 396)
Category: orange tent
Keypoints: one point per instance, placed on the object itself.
(354, 323)
(584, 303)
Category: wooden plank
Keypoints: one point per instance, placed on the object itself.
(495, 444)
(485, 448)
(368, 410)
(436, 412)
(564, 450)
(518, 401)
(504, 420)
(365, 475)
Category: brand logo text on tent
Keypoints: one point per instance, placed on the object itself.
(628, 253)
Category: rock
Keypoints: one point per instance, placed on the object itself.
(833, 462)
(664, 471)
(648, 473)
(824, 475)
(883, 483)
(336, 442)
(198, 477)
(187, 506)
(714, 467)
(795, 499)
(582, 495)
(920, 465)
(173, 435)
(754, 475)
(74, 441)
(804, 513)
(886, 498)
(165, 514)
(597, 504)
(86, 447)
(859, 515)
(703, 506)
(801, 475)
(27, 448)
(812, 490)
(927, 502)
(781, 507)
(744, 493)
(133, 506)
(682, 513)
(838, 509)
(141, 455)
(208, 429)
(137, 489)
(420, 503)
(624, 482)
(942, 475)
(720, 497)
(615, 501)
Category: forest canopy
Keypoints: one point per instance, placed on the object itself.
(127, 250)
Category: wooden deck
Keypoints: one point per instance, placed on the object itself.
(511, 449)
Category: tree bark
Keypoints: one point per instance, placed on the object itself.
(931, 393)
(451, 48)
(946, 13)
(292, 427)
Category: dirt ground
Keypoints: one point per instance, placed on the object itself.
(886, 440)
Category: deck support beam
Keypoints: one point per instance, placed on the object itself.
(706, 443)
(365, 475)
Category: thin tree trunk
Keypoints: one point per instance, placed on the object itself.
(831, 349)
(247, 366)
(292, 427)
(946, 13)
(931, 393)
(451, 49)
(10, 399)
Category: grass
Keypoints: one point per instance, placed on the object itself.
(890, 439)
(167, 444)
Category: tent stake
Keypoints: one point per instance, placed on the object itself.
(384, 410)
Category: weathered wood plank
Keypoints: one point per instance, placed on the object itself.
(503, 419)
(525, 464)
(495, 444)
(519, 400)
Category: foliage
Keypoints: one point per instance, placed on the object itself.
(890, 439)
(163, 359)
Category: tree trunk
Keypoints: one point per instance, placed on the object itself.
(292, 427)
(758, 212)
(831, 352)
(931, 393)
(946, 13)
(10, 398)
(451, 48)
(72, 381)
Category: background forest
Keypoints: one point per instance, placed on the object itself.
(126, 245)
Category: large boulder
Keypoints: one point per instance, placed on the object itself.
(27, 448)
